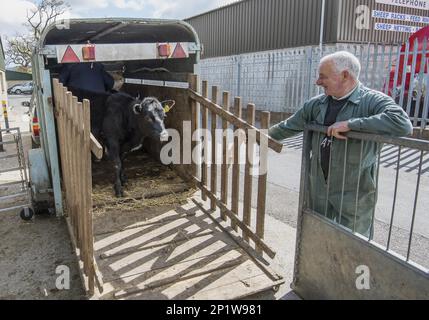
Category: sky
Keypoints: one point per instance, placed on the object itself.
(13, 13)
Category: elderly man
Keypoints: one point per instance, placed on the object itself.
(346, 105)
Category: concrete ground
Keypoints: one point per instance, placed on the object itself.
(31, 251)
(27, 273)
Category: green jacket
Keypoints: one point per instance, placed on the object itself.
(366, 111)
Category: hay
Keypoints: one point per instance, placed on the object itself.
(158, 187)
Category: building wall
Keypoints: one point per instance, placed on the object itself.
(351, 27)
(261, 25)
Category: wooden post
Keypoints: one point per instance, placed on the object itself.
(248, 177)
(87, 178)
(80, 162)
(69, 113)
(193, 85)
(76, 157)
(262, 181)
(236, 165)
(66, 172)
(204, 126)
(213, 185)
(224, 175)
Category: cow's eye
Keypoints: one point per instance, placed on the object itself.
(148, 118)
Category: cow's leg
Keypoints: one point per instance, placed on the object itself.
(123, 177)
(114, 156)
(119, 192)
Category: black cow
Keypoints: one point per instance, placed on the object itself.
(127, 122)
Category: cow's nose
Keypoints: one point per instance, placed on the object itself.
(164, 135)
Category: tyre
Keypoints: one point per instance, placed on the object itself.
(26, 214)
(18, 91)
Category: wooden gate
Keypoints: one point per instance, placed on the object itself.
(205, 111)
(76, 144)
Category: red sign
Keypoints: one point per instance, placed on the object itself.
(70, 56)
(179, 52)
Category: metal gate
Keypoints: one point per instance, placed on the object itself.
(14, 188)
(334, 261)
(282, 80)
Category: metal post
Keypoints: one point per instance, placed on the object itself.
(1, 140)
(6, 119)
(322, 26)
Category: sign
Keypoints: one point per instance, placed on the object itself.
(70, 56)
(415, 4)
(399, 16)
(395, 27)
(121, 51)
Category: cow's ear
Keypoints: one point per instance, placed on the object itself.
(167, 105)
(137, 108)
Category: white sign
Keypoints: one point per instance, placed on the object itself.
(399, 16)
(395, 27)
(416, 4)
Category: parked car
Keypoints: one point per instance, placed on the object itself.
(34, 125)
(24, 88)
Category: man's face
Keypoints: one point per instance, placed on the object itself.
(333, 82)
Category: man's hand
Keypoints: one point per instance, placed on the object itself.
(337, 128)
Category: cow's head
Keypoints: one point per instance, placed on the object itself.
(151, 118)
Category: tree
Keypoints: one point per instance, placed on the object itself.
(19, 48)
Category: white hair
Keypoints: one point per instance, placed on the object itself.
(344, 61)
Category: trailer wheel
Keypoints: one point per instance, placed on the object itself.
(26, 214)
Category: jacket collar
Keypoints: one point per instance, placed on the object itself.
(354, 98)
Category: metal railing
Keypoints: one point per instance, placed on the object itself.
(282, 80)
(386, 205)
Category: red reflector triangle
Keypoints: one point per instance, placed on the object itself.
(70, 56)
(179, 52)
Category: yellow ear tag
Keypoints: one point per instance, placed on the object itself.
(167, 108)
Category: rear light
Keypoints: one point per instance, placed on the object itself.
(36, 128)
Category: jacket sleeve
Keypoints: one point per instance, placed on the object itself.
(292, 126)
(388, 118)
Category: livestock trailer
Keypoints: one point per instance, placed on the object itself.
(164, 239)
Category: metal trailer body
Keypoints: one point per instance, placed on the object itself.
(133, 42)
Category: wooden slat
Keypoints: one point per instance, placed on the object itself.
(204, 126)
(193, 84)
(87, 178)
(213, 175)
(246, 230)
(76, 157)
(248, 178)
(96, 147)
(225, 158)
(262, 181)
(212, 106)
(80, 187)
(70, 139)
(235, 197)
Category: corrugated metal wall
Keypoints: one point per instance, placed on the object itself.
(259, 25)
(348, 32)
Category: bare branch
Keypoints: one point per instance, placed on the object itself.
(19, 49)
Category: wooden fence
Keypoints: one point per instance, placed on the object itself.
(76, 144)
(205, 111)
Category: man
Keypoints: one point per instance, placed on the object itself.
(89, 81)
(346, 105)
(89, 76)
